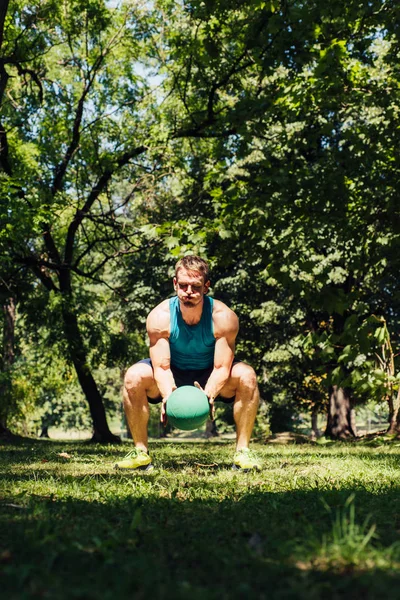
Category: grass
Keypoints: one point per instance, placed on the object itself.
(320, 521)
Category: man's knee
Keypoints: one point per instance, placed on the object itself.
(137, 376)
(247, 376)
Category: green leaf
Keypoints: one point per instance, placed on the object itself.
(380, 334)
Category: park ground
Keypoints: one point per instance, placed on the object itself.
(319, 521)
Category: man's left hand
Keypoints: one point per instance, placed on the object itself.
(210, 400)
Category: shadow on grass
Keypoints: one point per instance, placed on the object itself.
(260, 544)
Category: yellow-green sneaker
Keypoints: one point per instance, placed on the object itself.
(135, 459)
(245, 460)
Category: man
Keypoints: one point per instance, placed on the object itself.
(192, 342)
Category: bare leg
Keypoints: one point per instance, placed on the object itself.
(138, 385)
(245, 409)
(243, 385)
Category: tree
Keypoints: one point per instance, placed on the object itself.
(270, 146)
(300, 156)
(7, 360)
(75, 171)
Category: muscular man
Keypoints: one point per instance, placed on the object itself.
(192, 342)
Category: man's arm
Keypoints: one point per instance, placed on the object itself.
(158, 332)
(226, 326)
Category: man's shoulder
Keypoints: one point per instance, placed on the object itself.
(158, 319)
(220, 308)
(225, 320)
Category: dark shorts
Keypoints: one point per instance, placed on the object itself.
(188, 377)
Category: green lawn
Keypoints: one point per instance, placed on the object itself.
(317, 522)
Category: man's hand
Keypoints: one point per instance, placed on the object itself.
(163, 415)
(210, 400)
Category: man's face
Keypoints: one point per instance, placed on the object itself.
(190, 287)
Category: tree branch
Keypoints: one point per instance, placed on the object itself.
(107, 239)
(237, 67)
(97, 189)
(101, 282)
(34, 264)
(63, 165)
(50, 244)
(24, 71)
(76, 132)
(117, 254)
(106, 259)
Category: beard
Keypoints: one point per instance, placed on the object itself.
(190, 301)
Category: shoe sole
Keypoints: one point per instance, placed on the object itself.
(143, 468)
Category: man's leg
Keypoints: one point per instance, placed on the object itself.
(243, 385)
(138, 385)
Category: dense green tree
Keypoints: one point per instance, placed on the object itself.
(269, 146)
(74, 174)
(298, 140)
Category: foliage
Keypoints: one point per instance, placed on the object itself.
(258, 134)
(365, 357)
(293, 160)
(56, 399)
(74, 175)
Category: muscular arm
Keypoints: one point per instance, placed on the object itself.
(158, 332)
(226, 327)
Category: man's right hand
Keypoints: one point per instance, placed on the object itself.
(163, 415)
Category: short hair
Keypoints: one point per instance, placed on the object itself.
(193, 263)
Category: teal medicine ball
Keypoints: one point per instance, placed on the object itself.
(187, 408)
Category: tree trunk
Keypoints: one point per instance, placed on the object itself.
(341, 417)
(6, 435)
(162, 431)
(7, 361)
(101, 431)
(44, 431)
(3, 13)
(211, 429)
(394, 414)
(8, 332)
(315, 432)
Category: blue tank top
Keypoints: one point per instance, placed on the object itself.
(192, 346)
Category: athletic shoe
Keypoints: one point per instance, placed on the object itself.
(135, 459)
(245, 460)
